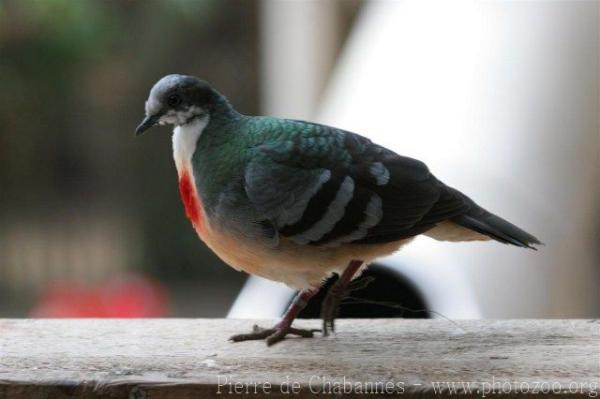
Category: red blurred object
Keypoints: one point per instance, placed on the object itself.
(125, 296)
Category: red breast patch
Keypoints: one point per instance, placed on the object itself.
(191, 201)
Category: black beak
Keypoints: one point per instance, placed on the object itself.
(146, 124)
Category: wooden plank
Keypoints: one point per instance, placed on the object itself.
(191, 358)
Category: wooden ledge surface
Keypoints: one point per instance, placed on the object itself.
(181, 358)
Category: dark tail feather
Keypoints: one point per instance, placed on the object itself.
(484, 222)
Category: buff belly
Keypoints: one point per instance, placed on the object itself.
(298, 266)
(306, 266)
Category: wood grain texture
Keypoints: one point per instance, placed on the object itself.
(187, 358)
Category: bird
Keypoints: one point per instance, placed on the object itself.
(298, 202)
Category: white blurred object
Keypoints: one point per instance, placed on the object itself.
(502, 101)
(261, 299)
(298, 49)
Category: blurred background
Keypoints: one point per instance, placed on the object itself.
(500, 99)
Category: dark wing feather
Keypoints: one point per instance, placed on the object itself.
(308, 168)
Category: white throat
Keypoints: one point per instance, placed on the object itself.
(185, 138)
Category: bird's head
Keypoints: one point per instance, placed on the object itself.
(177, 100)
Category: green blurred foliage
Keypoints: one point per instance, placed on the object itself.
(74, 75)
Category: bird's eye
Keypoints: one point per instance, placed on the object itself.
(173, 100)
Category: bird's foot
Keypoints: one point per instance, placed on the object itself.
(333, 300)
(273, 335)
(329, 310)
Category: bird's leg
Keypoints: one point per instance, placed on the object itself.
(335, 295)
(284, 327)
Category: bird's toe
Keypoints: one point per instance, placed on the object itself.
(257, 333)
(273, 335)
